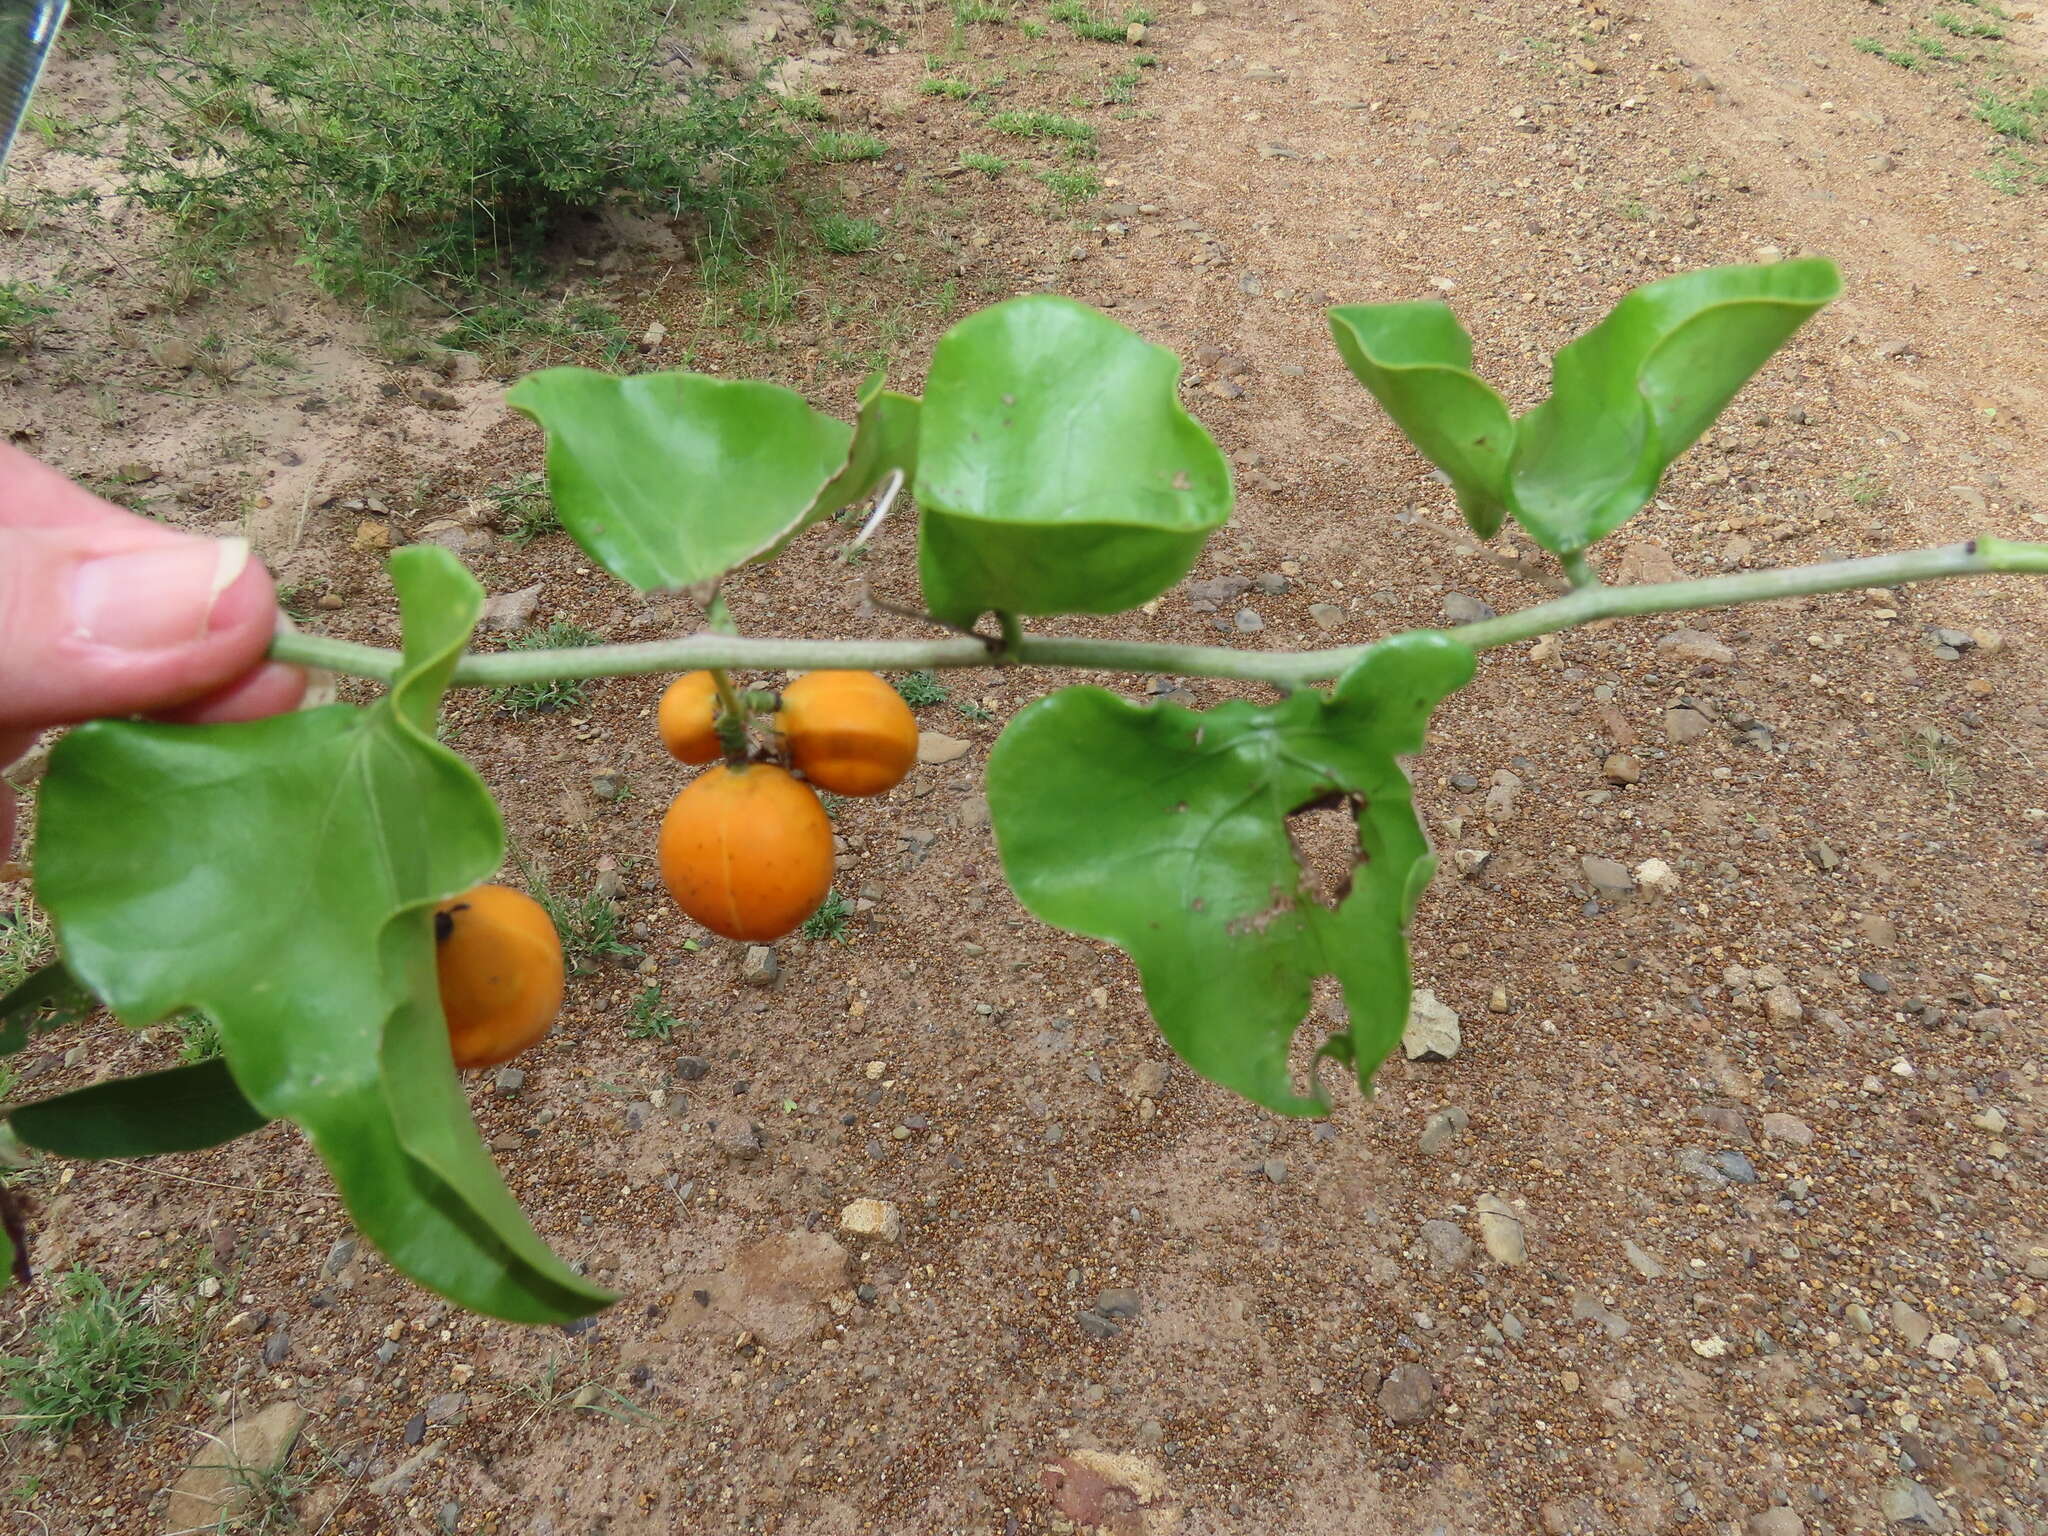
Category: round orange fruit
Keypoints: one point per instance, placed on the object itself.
(747, 851)
(849, 732)
(687, 718)
(500, 965)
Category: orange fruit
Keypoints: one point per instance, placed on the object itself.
(687, 719)
(849, 732)
(500, 965)
(747, 851)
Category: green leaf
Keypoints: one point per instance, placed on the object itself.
(884, 439)
(1166, 832)
(49, 997)
(1638, 389)
(673, 479)
(184, 1109)
(1627, 398)
(13, 1242)
(280, 876)
(1417, 361)
(1057, 471)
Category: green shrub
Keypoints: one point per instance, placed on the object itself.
(101, 1355)
(429, 143)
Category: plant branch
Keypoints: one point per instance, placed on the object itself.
(1978, 557)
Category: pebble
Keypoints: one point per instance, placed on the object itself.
(1730, 1122)
(1500, 799)
(1875, 982)
(1609, 878)
(1433, 1032)
(1441, 1127)
(1096, 1326)
(1734, 1166)
(1944, 1346)
(1502, 1230)
(1470, 863)
(1776, 1522)
(338, 1258)
(1588, 1308)
(1782, 1005)
(1463, 608)
(1146, 1080)
(1683, 726)
(1248, 621)
(1908, 1503)
(736, 1136)
(1696, 645)
(1992, 1120)
(692, 1069)
(509, 611)
(276, 1347)
(1447, 1245)
(1910, 1325)
(1407, 1394)
(1325, 615)
(935, 747)
(1643, 1262)
(415, 1429)
(507, 1081)
(872, 1218)
(1275, 1169)
(1119, 1302)
(1621, 768)
(448, 1405)
(1858, 1317)
(759, 969)
(1656, 877)
(1779, 1126)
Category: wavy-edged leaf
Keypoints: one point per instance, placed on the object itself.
(184, 1109)
(1637, 390)
(280, 875)
(49, 997)
(1417, 361)
(1165, 831)
(669, 480)
(1057, 470)
(884, 440)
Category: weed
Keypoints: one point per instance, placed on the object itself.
(427, 144)
(806, 107)
(844, 235)
(773, 294)
(921, 688)
(974, 710)
(1931, 47)
(1094, 28)
(589, 925)
(2024, 118)
(1122, 87)
(939, 85)
(1866, 490)
(1033, 29)
(1875, 49)
(548, 1396)
(990, 166)
(1072, 186)
(525, 509)
(650, 1021)
(1962, 26)
(968, 12)
(25, 941)
(833, 803)
(101, 1356)
(2013, 173)
(830, 920)
(1936, 754)
(512, 323)
(826, 14)
(198, 1037)
(838, 148)
(23, 308)
(1635, 210)
(1037, 124)
(557, 693)
(8, 1079)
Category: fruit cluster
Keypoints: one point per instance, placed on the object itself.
(745, 849)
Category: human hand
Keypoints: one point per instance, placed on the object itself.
(106, 613)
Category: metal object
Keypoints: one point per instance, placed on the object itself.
(28, 28)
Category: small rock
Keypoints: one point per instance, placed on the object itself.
(1500, 798)
(1875, 982)
(1643, 564)
(508, 1081)
(1621, 768)
(1776, 1522)
(1272, 583)
(1433, 1032)
(1609, 878)
(1589, 1308)
(1779, 1126)
(1992, 1120)
(277, 1347)
(1462, 608)
(338, 1258)
(174, 352)
(1683, 726)
(1145, 1080)
(759, 969)
(446, 1407)
(1912, 1326)
(1447, 1245)
(736, 1136)
(1135, 33)
(1470, 863)
(1502, 1230)
(1696, 645)
(1439, 1129)
(1096, 1326)
(1782, 1005)
(1734, 1166)
(1407, 1394)
(214, 1488)
(1325, 615)
(934, 747)
(1906, 1502)
(1897, 347)
(1857, 1316)
(1730, 1122)
(1218, 590)
(653, 336)
(435, 399)
(1119, 1302)
(692, 1069)
(460, 367)
(1275, 1169)
(372, 536)
(1944, 1346)
(872, 1218)
(1643, 1262)
(1656, 877)
(509, 611)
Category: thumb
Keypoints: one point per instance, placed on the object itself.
(104, 613)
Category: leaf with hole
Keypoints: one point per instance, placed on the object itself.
(280, 875)
(1166, 831)
(1627, 398)
(1057, 471)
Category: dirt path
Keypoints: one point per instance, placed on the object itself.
(1765, 1153)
